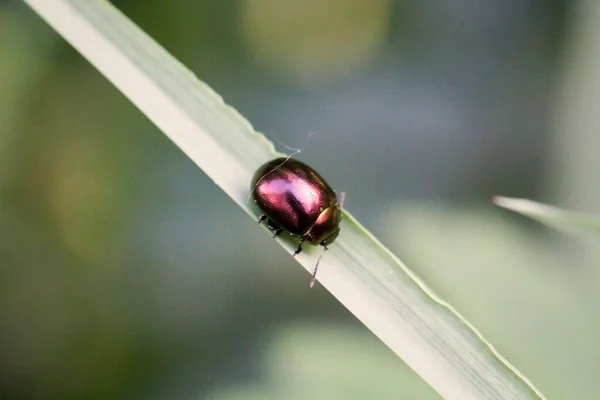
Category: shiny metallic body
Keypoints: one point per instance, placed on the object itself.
(295, 198)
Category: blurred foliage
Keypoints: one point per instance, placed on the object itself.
(516, 285)
(330, 40)
(125, 273)
(308, 361)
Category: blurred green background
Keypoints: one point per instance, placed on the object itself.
(125, 273)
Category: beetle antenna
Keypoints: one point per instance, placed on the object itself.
(342, 198)
(313, 278)
(294, 150)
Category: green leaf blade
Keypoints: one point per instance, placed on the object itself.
(552, 216)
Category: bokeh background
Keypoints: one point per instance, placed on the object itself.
(125, 273)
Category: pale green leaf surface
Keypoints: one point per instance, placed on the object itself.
(551, 216)
(443, 348)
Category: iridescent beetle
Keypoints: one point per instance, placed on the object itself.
(295, 198)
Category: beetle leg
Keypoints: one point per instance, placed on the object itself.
(277, 232)
(274, 228)
(272, 225)
(299, 249)
(262, 218)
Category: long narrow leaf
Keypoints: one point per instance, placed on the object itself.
(552, 216)
(443, 348)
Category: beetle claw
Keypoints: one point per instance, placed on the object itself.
(299, 249)
(277, 232)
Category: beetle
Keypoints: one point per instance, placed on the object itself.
(295, 198)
